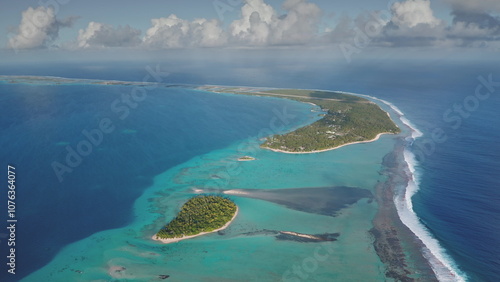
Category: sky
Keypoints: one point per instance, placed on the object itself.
(95, 29)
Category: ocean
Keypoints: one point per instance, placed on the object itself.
(457, 161)
(95, 223)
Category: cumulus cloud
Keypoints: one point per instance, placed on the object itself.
(173, 32)
(412, 13)
(255, 23)
(98, 35)
(475, 22)
(469, 26)
(169, 32)
(300, 24)
(478, 14)
(260, 24)
(39, 27)
(413, 24)
(404, 23)
(207, 33)
(407, 23)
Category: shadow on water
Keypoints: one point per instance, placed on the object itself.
(323, 200)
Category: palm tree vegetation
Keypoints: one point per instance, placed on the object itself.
(204, 213)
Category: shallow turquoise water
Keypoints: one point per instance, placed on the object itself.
(459, 207)
(236, 255)
(210, 128)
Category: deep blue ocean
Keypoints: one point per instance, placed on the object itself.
(458, 200)
(166, 129)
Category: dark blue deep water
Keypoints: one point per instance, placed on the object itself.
(459, 197)
(40, 125)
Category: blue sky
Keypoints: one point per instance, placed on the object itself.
(67, 26)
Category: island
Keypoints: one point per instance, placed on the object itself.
(345, 119)
(246, 159)
(200, 215)
(54, 80)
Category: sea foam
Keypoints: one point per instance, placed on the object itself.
(442, 265)
(415, 133)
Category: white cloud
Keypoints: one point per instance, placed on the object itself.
(38, 28)
(412, 13)
(207, 33)
(413, 24)
(476, 17)
(167, 32)
(104, 35)
(255, 23)
(260, 24)
(472, 34)
(173, 32)
(300, 25)
(405, 23)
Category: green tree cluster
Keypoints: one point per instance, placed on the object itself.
(204, 213)
(348, 119)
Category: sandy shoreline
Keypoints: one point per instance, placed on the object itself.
(234, 192)
(300, 235)
(311, 103)
(246, 159)
(173, 240)
(325, 150)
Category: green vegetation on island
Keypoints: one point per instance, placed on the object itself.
(199, 214)
(346, 119)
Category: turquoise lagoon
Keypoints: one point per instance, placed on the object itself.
(246, 251)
